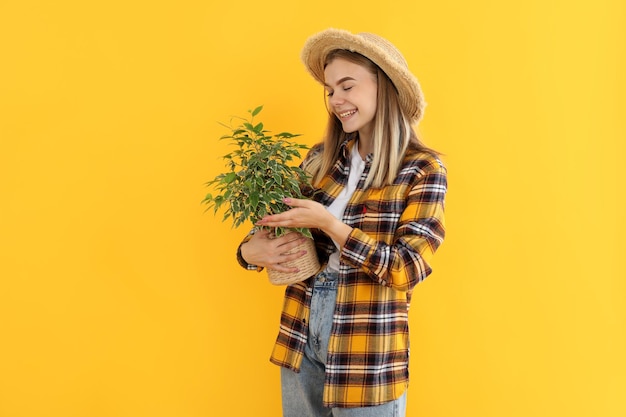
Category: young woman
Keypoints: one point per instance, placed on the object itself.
(377, 215)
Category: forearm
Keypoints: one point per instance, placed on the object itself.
(401, 264)
(337, 230)
(240, 257)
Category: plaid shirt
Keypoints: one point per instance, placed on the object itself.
(397, 228)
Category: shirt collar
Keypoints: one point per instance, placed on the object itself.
(348, 143)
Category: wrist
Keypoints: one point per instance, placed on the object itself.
(243, 262)
(338, 231)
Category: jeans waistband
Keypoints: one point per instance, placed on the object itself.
(326, 279)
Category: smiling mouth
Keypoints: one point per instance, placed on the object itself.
(347, 114)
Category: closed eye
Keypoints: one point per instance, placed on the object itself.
(330, 93)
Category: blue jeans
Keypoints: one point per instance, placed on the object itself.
(302, 392)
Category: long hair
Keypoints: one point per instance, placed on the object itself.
(392, 136)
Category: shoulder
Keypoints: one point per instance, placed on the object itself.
(315, 150)
(421, 163)
(313, 154)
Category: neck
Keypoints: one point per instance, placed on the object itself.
(365, 145)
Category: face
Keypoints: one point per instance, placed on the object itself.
(352, 92)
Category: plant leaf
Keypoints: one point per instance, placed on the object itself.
(230, 177)
(256, 111)
(254, 200)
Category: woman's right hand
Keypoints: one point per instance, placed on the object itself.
(261, 250)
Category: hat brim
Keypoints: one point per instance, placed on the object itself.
(378, 50)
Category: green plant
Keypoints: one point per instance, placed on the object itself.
(261, 172)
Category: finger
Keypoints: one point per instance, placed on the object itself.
(263, 233)
(287, 248)
(289, 238)
(293, 202)
(265, 221)
(285, 269)
(276, 220)
(292, 256)
(298, 202)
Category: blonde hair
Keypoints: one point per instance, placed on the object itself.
(392, 136)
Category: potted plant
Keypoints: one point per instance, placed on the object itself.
(261, 172)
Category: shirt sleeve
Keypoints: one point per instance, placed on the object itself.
(242, 261)
(421, 230)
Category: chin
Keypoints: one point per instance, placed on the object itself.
(348, 130)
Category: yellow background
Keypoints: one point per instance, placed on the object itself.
(120, 297)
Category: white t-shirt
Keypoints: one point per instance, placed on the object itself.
(337, 207)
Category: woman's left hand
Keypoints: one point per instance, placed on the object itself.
(309, 214)
(304, 213)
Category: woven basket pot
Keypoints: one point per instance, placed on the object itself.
(308, 265)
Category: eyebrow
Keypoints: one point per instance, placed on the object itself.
(344, 79)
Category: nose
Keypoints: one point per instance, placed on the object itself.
(336, 99)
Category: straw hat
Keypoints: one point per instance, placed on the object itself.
(378, 50)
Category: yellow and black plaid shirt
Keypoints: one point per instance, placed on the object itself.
(397, 228)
